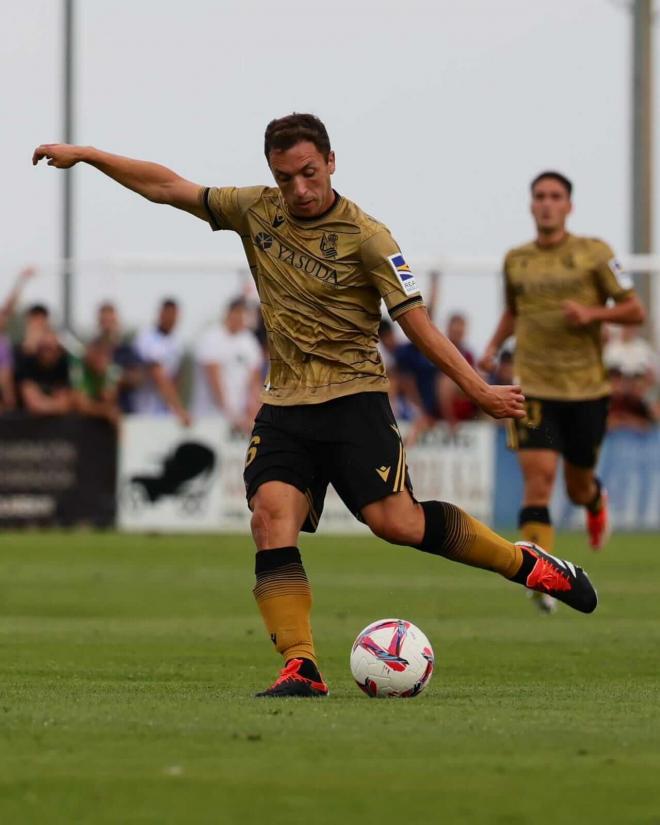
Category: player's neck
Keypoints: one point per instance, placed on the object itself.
(552, 238)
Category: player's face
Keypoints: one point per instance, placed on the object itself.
(551, 205)
(303, 176)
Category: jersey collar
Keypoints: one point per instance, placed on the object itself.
(314, 218)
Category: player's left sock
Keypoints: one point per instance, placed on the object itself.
(284, 597)
(535, 526)
(453, 533)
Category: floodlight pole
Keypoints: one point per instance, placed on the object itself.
(67, 177)
(642, 150)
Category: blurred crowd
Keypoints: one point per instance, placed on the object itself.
(151, 371)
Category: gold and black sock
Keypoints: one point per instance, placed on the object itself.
(451, 532)
(596, 504)
(535, 526)
(284, 598)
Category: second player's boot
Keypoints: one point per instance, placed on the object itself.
(555, 577)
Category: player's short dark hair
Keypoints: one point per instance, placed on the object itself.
(169, 303)
(552, 175)
(37, 310)
(285, 132)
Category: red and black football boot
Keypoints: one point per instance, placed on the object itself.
(563, 580)
(598, 524)
(291, 682)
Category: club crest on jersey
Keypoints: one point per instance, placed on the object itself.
(329, 245)
(403, 273)
(622, 277)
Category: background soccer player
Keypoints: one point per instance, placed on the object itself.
(558, 291)
(322, 267)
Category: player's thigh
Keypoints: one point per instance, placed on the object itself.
(368, 464)
(539, 471)
(278, 459)
(397, 518)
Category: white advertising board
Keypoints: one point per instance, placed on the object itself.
(175, 479)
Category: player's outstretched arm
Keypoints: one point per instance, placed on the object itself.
(151, 180)
(500, 402)
(504, 329)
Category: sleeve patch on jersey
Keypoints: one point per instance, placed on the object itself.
(403, 273)
(623, 278)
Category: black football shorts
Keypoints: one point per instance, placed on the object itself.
(352, 443)
(575, 429)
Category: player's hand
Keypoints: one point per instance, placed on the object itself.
(27, 273)
(503, 402)
(60, 155)
(576, 315)
(488, 361)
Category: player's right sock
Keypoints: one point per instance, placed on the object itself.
(284, 597)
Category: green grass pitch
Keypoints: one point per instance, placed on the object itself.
(128, 666)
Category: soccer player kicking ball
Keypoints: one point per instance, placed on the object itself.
(321, 267)
(557, 291)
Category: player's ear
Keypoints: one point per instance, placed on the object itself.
(331, 162)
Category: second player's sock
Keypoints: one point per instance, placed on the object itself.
(535, 526)
(596, 503)
(453, 533)
(284, 597)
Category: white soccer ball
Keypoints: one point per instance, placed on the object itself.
(392, 657)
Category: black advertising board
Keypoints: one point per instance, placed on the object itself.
(57, 471)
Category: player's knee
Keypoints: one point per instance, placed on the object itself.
(539, 485)
(399, 530)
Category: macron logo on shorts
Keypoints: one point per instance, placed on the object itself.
(403, 273)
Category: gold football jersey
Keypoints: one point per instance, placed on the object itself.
(320, 282)
(552, 359)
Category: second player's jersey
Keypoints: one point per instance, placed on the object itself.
(552, 359)
(320, 283)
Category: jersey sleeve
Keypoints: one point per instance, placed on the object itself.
(613, 281)
(387, 270)
(227, 206)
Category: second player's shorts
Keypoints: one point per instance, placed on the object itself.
(352, 443)
(575, 429)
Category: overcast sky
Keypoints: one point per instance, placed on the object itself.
(440, 112)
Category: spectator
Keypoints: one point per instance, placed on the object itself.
(503, 373)
(228, 364)
(629, 406)
(94, 380)
(37, 324)
(42, 378)
(7, 394)
(161, 352)
(632, 356)
(454, 405)
(403, 408)
(123, 354)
